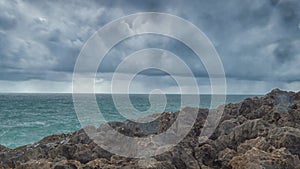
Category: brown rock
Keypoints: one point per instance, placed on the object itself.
(259, 159)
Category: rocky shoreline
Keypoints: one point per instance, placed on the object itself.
(255, 133)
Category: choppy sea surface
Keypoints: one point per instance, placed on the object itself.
(27, 118)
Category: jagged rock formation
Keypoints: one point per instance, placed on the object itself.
(256, 133)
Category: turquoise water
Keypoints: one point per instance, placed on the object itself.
(27, 118)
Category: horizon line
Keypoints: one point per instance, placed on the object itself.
(131, 93)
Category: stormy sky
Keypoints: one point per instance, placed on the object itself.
(258, 42)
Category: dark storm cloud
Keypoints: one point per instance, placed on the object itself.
(7, 21)
(289, 14)
(136, 43)
(257, 39)
(134, 5)
(8, 17)
(285, 51)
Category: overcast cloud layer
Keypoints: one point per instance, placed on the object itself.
(258, 42)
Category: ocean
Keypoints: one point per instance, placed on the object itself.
(27, 118)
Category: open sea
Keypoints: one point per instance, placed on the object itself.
(27, 118)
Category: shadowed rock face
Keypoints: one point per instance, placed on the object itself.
(256, 133)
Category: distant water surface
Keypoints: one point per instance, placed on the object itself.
(27, 118)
